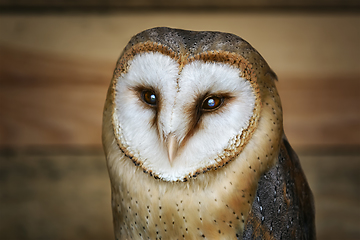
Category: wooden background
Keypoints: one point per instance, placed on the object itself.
(55, 70)
(56, 61)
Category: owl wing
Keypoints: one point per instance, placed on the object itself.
(283, 207)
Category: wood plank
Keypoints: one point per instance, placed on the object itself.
(55, 70)
(49, 193)
(321, 111)
(294, 44)
(54, 195)
(16, 4)
(335, 182)
(47, 101)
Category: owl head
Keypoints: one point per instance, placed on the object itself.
(183, 103)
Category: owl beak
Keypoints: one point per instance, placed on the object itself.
(172, 147)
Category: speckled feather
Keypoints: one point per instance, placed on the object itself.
(284, 205)
(215, 202)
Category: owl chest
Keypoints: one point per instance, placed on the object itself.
(163, 213)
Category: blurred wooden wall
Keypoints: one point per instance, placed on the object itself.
(55, 70)
(56, 62)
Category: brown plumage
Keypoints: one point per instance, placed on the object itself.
(252, 188)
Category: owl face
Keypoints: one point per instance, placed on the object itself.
(182, 105)
(177, 120)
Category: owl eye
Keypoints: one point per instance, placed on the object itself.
(149, 97)
(212, 103)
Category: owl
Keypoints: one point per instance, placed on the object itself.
(194, 143)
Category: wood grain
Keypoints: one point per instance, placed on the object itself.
(47, 100)
(55, 70)
(186, 3)
(54, 195)
(322, 111)
(57, 193)
(54, 74)
(334, 179)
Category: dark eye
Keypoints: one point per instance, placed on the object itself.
(149, 97)
(212, 103)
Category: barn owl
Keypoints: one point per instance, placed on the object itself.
(194, 143)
